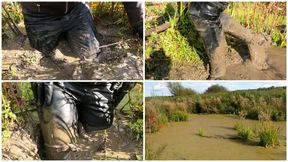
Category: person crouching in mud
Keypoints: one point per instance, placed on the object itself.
(211, 23)
(62, 106)
(47, 22)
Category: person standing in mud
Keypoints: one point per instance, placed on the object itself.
(211, 24)
(62, 106)
(47, 22)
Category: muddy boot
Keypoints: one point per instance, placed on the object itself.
(256, 43)
(58, 119)
(217, 60)
(135, 15)
(205, 17)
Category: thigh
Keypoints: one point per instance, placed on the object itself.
(43, 31)
(82, 34)
(96, 110)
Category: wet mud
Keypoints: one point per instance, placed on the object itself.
(120, 61)
(180, 141)
(237, 68)
(117, 143)
(276, 60)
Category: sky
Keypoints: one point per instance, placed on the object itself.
(160, 88)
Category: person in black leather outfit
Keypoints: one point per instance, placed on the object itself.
(211, 22)
(47, 22)
(61, 105)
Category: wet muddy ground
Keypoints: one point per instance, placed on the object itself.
(118, 62)
(180, 141)
(118, 143)
(237, 68)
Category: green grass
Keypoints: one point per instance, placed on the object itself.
(269, 136)
(178, 116)
(261, 17)
(238, 126)
(267, 133)
(179, 41)
(137, 128)
(245, 134)
(201, 132)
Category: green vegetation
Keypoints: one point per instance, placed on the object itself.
(216, 89)
(238, 126)
(14, 12)
(267, 133)
(268, 18)
(245, 134)
(180, 42)
(132, 107)
(176, 89)
(262, 104)
(178, 116)
(115, 12)
(201, 132)
(160, 113)
(8, 118)
(15, 97)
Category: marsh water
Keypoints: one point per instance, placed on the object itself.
(180, 141)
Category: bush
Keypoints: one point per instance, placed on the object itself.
(245, 134)
(176, 89)
(201, 132)
(137, 128)
(253, 114)
(178, 116)
(216, 89)
(269, 136)
(238, 126)
(152, 121)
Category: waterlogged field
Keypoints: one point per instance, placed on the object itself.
(208, 137)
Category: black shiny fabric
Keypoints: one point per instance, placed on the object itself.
(134, 12)
(95, 102)
(44, 31)
(206, 19)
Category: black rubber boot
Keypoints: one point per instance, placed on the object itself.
(58, 119)
(135, 15)
(205, 17)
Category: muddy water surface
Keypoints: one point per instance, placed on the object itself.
(180, 141)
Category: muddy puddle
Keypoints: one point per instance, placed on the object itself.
(237, 68)
(180, 141)
(246, 70)
(122, 61)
